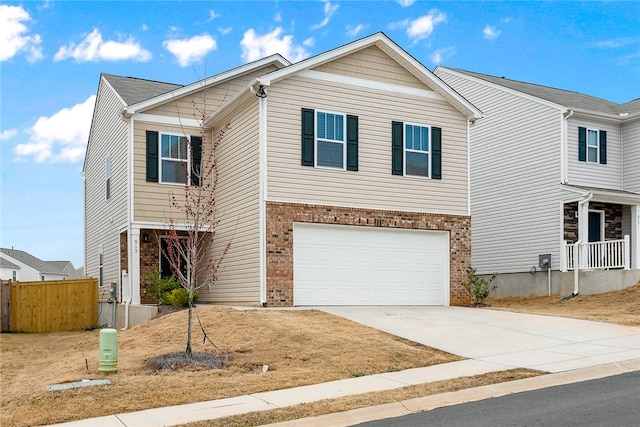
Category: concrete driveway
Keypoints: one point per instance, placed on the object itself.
(546, 343)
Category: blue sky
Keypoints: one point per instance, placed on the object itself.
(52, 54)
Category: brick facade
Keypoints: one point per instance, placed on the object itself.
(279, 248)
(612, 220)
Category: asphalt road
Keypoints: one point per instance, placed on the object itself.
(611, 401)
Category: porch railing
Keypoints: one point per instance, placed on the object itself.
(598, 255)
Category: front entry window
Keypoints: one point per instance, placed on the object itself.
(595, 226)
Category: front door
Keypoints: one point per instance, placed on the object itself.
(595, 226)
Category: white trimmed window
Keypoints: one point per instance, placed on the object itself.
(416, 150)
(592, 146)
(331, 147)
(107, 176)
(174, 159)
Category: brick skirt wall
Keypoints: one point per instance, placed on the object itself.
(279, 245)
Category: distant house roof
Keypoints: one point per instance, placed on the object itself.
(5, 263)
(566, 98)
(133, 90)
(32, 261)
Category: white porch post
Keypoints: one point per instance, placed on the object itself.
(635, 236)
(580, 254)
(134, 264)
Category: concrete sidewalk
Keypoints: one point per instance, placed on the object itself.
(575, 350)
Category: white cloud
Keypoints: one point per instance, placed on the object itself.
(255, 47)
(405, 3)
(213, 15)
(8, 134)
(225, 31)
(329, 10)
(439, 55)
(189, 51)
(491, 33)
(278, 17)
(144, 27)
(422, 27)
(94, 48)
(60, 137)
(14, 35)
(310, 42)
(354, 31)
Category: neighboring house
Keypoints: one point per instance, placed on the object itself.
(21, 266)
(343, 179)
(68, 268)
(551, 168)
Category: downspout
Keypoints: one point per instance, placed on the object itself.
(259, 91)
(578, 244)
(130, 174)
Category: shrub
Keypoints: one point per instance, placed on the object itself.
(478, 288)
(178, 297)
(160, 286)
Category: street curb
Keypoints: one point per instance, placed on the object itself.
(427, 403)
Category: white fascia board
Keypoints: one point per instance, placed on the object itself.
(371, 84)
(607, 196)
(276, 60)
(392, 49)
(221, 110)
(586, 114)
(167, 120)
(503, 88)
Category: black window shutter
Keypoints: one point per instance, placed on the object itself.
(352, 143)
(603, 147)
(152, 156)
(196, 152)
(436, 153)
(582, 144)
(397, 143)
(308, 120)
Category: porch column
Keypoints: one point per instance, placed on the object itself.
(134, 264)
(580, 253)
(635, 236)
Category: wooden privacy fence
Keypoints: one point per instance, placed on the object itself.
(47, 306)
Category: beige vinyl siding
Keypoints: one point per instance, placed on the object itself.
(207, 100)
(515, 178)
(373, 186)
(103, 217)
(595, 174)
(631, 156)
(372, 64)
(237, 209)
(151, 200)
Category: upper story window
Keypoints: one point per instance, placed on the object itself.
(14, 275)
(171, 160)
(329, 140)
(416, 150)
(174, 159)
(592, 145)
(107, 176)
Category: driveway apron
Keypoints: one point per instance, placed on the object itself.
(546, 343)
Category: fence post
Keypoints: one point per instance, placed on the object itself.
(5, 309)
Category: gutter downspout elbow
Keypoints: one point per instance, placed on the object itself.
(576, 254)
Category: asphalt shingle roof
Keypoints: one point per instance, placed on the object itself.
(567, 98)
(134, 90)
(32, 261)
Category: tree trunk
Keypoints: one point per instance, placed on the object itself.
(188, 350)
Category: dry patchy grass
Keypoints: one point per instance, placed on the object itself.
(620, 307)
(329, 406)
(301, 347)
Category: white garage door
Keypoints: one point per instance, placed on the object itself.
(351, 265)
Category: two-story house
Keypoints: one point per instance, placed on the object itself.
(343, 179)
(552, 172)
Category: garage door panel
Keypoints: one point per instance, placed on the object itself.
(350, 265)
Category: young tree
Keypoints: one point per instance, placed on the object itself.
(191, 227)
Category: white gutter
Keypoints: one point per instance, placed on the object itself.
(581, 225)
(130, 174)
(262, 167)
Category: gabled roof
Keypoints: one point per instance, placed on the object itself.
(32, 261)
(387, 45)
(133, 90)
(178, 91)
(564, 98)
(5, 263)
